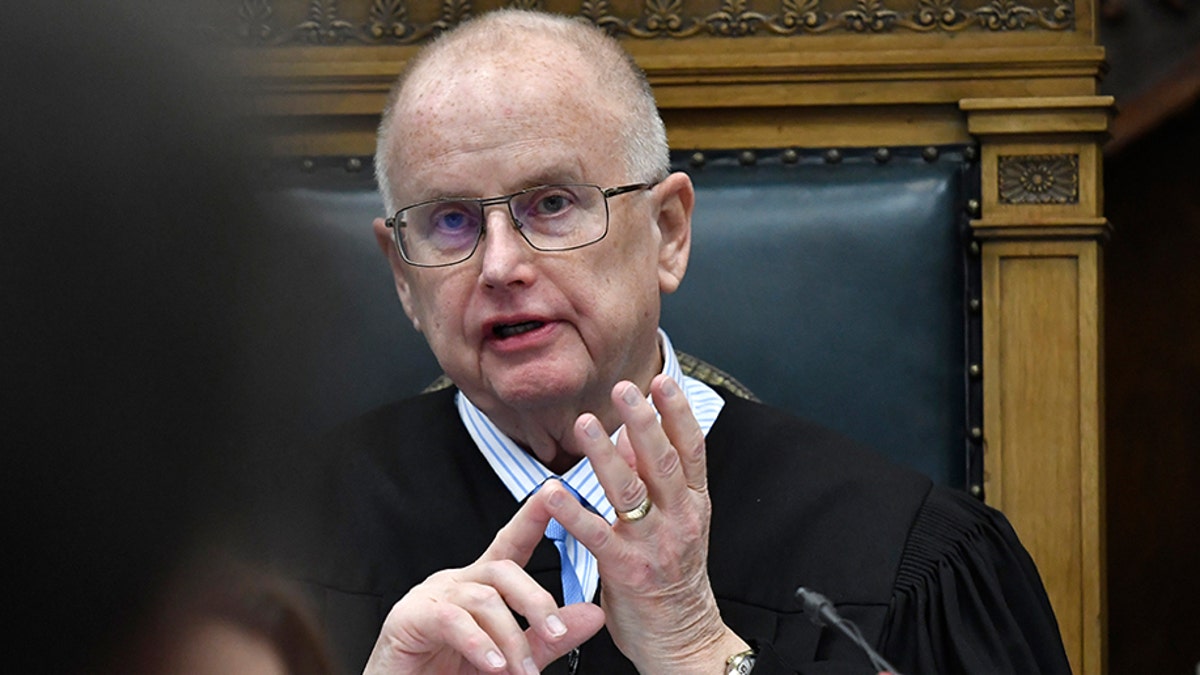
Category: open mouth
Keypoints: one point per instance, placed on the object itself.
(508, 330)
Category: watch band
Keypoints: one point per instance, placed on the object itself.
(741, 663)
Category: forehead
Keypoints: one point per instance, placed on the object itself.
(472, 122)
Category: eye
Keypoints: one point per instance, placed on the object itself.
(550, 202)
(452, 218)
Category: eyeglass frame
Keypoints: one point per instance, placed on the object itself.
(394, 223)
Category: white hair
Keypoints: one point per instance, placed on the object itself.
(643, 134)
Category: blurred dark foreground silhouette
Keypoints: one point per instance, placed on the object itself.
(141, 436)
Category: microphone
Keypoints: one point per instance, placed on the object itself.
(821, 612)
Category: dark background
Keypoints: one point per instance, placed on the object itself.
(1152, 326)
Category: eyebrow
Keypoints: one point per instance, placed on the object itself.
(555, 175)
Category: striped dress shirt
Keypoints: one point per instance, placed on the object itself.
(522, 473)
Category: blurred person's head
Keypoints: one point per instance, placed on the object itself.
(128, 242)
(222, 616)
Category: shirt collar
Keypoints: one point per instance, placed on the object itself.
(522, 473)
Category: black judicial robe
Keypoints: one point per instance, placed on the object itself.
(937, 581)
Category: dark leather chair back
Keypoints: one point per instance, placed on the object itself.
(836, 290)
(833, 289)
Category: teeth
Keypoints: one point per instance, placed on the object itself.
(510, 330)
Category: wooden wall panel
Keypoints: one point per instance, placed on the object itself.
(1043, 463)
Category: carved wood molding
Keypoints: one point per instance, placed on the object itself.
(1040, 166)
(407, 22)
(773, 71)
(1038, 179)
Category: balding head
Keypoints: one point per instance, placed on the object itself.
(485, 51)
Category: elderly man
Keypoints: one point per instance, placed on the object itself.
(574, 502)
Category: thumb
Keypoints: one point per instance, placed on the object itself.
(583, 620)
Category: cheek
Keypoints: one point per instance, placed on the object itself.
(444, 317)
(625, 291)
(632, 269)
(437, 306)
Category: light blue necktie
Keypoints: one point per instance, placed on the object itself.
(555, 532)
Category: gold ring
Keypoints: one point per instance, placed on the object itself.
(636, 513)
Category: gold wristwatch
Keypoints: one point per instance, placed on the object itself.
(740, 663)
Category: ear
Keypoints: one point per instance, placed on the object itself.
(383, 237)
(676, 198)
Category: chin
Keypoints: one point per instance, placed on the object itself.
(536, 380)
(537, 388)
(535, 394)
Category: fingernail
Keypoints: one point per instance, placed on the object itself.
(495, 659)
(530, 667)
(556, 626)
(555, 499)
(631, 395)
(669, 389)
(592, 428)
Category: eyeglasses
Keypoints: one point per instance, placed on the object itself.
(442, 232)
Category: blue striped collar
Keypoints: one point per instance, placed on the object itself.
(522, 473)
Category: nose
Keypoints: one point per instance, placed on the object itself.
(506, 256)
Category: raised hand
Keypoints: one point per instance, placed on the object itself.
(657, 600)
(461, 621)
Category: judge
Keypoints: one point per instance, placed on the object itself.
(573, 502)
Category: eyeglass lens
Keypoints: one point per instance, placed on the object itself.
(552, 217)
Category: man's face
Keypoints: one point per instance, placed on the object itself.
(522, 331)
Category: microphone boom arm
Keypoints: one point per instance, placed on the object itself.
(821, 612)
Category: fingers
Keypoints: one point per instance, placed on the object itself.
(682, 429)
(669, 455)
(507, 555)
(478, 629)
(590, 529)
(511, 586)
(583, 620)
(474, 615)
(468, 613)
(442, 622)
(657, 462)
(617, 475)
(656, 597)
(520, 536)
